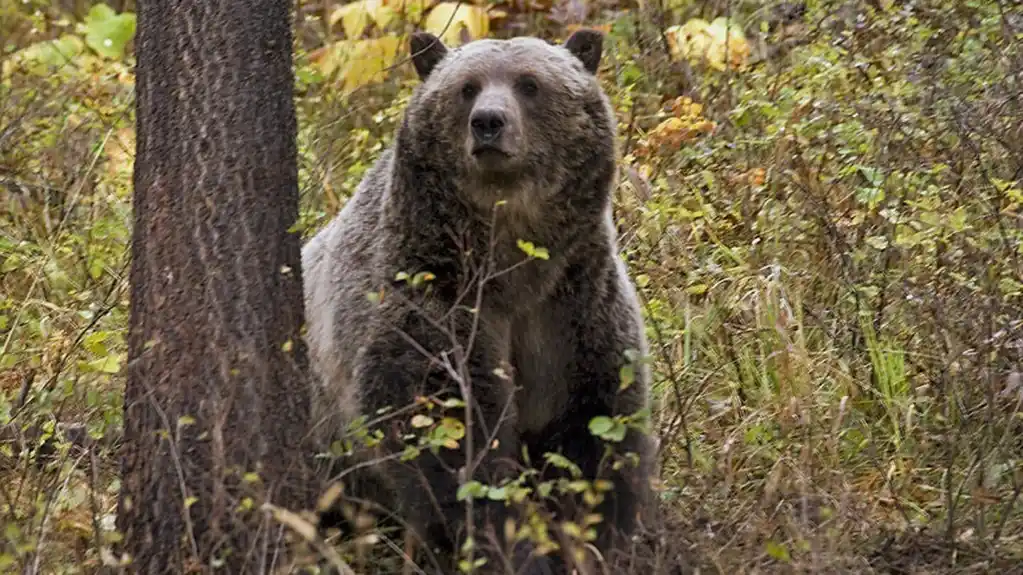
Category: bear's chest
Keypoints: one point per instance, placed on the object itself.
(526, 270)
(541, 354)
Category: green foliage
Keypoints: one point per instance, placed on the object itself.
(532, 251)
(607, 428)
(44, 56)
(103, 31)
(107, 32)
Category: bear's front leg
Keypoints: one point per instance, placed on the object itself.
(603, 327)
(572, 437)
(605, 338)
(408, 362)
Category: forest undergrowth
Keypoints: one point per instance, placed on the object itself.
(821, 209)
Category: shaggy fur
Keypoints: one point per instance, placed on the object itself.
(559, 327)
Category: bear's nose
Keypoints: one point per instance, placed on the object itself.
(486, 125)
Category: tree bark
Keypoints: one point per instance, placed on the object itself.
(217, 370)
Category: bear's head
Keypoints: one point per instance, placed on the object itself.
(517, 119)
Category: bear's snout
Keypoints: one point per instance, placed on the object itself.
(493, 133)
(486, 125)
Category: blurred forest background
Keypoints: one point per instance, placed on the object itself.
(820, 202)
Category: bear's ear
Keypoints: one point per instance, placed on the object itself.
(427, 51)
(587, 45)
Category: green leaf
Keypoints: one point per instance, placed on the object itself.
(108, 364)
(777, 551)
(410, 453)
(601, 424)
(607, 428)
(453, 428)
(626, 376)
(870, 197)
(94, 342)
(497, 494)
(578, 486)
(96, 268)
(562, 462)
(452, 403)
(422, 277)
(872, 175)
(40, 58)
(877, 242)
(697, 289)
(532, 251)
(544, 489)
(107, 32)
(464, 566)
(473, 489)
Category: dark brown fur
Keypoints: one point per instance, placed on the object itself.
(562, 325)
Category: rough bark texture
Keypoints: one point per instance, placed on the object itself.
(216, 289)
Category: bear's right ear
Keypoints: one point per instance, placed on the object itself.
(586, 44)
(427, 51)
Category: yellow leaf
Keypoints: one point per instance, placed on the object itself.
(447, 20)
(674, 131)
(354, 18)
(357, 15)
(420, 420)
(689, 38)
(108, 364)
(697, 39)
(358, 62)
(454, 428)
(412, 10)
(725, 35)
(683, 106)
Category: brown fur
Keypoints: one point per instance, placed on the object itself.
(561, 324)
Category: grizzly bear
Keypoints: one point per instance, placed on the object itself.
(478, 257)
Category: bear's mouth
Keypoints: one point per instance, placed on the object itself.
(488, 150)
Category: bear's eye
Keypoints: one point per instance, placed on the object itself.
(469, 90)
(528, 85)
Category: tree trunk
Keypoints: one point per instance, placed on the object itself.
(216, 383)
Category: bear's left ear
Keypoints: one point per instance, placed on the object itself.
(587, 45)
(427, 51)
